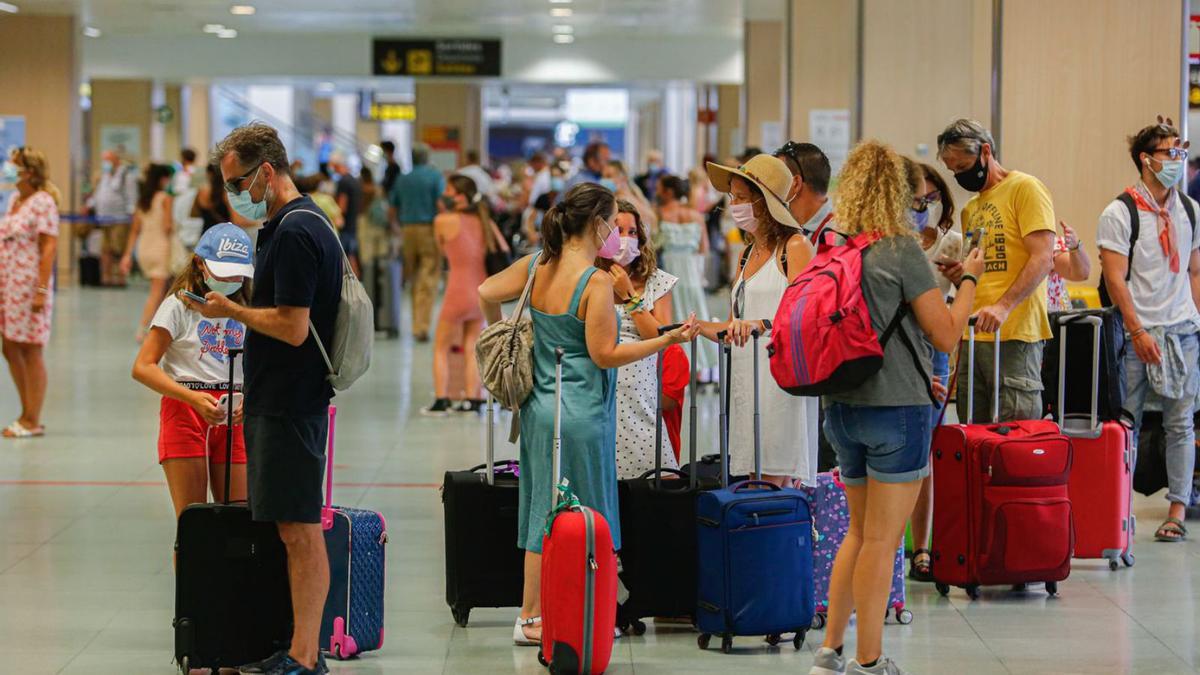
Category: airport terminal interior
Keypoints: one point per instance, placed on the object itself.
(532, 97)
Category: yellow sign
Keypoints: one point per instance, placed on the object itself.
(390, 63)
(393, 112)
(420, 62)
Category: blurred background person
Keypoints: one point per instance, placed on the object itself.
(150, 236)
(684, 247)
(114, 199)
(655, 169)
(414, 199)
(349, 197)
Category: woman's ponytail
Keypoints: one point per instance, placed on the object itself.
(552, 232)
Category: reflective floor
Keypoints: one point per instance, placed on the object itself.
(86, 584)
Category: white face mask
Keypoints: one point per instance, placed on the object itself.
(629, 251)
(935, 214)
(743, 217)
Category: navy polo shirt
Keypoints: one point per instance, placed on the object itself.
(298, 264)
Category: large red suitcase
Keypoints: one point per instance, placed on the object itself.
(579, 576)
(1001, 512)
(1102, 468)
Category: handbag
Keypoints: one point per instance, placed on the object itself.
(505, 355)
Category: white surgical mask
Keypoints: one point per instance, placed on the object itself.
(629, 251)
(225, 288)
(935, 214)
(743, 217)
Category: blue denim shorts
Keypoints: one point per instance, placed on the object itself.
(888, 443)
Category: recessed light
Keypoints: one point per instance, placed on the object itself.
(214, 27)
(8, 7)
(561, 12)
(91, 31)
(560, 2)
(564, 39)
(563, 28)
(242, 10)
(228, 33)
(326, 86)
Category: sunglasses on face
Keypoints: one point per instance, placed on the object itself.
(924, 202)
(233, 187)
(1172, 152)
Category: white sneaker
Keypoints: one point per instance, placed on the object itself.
(519, 637)
(884, 666)
(826, 661)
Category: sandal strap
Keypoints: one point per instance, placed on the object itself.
(1179, 526)
(531, 621)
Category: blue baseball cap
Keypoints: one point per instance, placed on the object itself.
(225, 248)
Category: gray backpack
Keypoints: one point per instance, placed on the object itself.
(354, 328)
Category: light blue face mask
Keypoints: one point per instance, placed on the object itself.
(245, 205)
(1170, 173)
(106, 166)
(9, 173)
(557, 184)
(225, 288)
(920, 219)
(608, 184)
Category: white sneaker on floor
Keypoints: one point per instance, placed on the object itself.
(827, 661)
(883, 666)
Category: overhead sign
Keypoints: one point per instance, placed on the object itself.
(457, 57)
(392, 112)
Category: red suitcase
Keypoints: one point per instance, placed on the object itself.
(579, 577)
(1001, 511)
(1102, 470)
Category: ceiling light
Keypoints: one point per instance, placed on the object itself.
(560, 2)
(561, 12)
(563, 28)
(8, 7)
(214, 27)
(91, 31)
(564, 39)
(228, 33)
(326, 86)
(242, 10)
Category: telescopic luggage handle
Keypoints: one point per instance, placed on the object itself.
(556, 457)
(233, 354)
(971, 373)
(658, 408)
(1097, 323)
(755, 334)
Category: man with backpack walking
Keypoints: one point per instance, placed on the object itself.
(1154, 280)
(1012, 221)
(297, 288)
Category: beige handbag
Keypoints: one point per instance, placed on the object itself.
(505, 355)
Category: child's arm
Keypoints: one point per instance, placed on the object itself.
(147, 371)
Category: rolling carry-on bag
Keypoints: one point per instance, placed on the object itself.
(233, 604)
(385, 285)
(831, 517)
(579, 574)
(1102, 464)
(354, 540)
(754, 541)
(1001, 509)
(658, 531)
(484, 566)
(1076, 330)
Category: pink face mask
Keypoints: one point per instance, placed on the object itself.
(611, 246)
(629, 251)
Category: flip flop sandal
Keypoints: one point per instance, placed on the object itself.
(921, 571)
(17, 430)
(1176, 529)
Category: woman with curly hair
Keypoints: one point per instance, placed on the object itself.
(881, 430)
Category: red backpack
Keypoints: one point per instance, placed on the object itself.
(822, 341)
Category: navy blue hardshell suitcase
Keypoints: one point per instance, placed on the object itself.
(754, 544)
(354, 540)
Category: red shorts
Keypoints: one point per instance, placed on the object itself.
(183, 434)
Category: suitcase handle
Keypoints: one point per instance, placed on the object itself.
(1096, 323)
(327, 511)
(233, 354)
(659, 472)
(738, 487)
(971, 372)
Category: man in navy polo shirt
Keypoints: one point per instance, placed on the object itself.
(298, 277)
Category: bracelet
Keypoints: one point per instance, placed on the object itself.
(43, 290)
(1072, 249)
(634, 305)
(1136, 333)
(969, 277)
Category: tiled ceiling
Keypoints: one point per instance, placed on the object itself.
(697, 18)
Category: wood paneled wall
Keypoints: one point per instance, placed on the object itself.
(764, 77)
(824, 56)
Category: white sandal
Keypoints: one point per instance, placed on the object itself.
(519, 637)
(17, 430)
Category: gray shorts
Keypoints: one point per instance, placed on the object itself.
(1020, 381)
(285, 467)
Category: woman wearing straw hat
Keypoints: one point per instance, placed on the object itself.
(778, 251)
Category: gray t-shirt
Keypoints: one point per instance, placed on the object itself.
(895, 271)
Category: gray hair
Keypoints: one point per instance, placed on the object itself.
(254, 144)
(966, 135)
(420, 154)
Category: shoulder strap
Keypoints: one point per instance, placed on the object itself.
(312, 329)
(1190, 210)
(894, 327)
(1135, 226)
(745, 257)
(573, 309)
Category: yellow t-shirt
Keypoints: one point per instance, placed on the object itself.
(1015, 207)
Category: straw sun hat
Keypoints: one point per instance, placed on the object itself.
(771, 176)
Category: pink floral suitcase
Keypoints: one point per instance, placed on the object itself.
(831, 520)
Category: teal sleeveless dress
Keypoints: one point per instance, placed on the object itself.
(589, 425)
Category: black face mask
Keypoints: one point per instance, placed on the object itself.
(974, 178)
(449, 203)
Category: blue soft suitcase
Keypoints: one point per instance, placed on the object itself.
(754, 545)
(354, 540)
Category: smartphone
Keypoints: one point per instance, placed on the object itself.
(945, 261)
(223, 402)
(192, 296)
(977, 236)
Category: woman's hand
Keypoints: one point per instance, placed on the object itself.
(973, 265)
(39, 299)
(1069, 237)
(204, 404)
(126, 264)
(239, 413)
(685, 333)
(939, 390)
(622, 284)
(739, 330)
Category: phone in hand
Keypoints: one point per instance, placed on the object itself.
(945, 261)
(977, 236)
(223, 403)
(192, 296)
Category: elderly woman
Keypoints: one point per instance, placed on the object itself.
(28, 238)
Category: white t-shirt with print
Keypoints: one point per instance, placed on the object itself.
(1159, 297)
(199, 350)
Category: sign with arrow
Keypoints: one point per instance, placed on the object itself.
(452, 57)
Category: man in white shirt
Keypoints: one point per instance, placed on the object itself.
(1152, 274)
(113, 201)
(476, 172)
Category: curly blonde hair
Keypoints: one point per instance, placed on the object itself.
(874, 193)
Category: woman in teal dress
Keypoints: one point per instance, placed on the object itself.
(572, 308)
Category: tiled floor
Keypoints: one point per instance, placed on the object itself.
(86, 532)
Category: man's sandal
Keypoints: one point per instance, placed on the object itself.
(17, 430)
(920, 569)
(1171, 530)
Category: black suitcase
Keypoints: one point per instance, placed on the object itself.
(658, 529)
(484, 566)
(233, 604)
(385, 277)
(1078, 400)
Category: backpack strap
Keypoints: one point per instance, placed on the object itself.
(1135, 226)
(894, 327)
(1190, 210)
(312, 329)
(745, 257)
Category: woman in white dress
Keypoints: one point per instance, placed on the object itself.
(778, 251)
(642, 294)
(684, 248)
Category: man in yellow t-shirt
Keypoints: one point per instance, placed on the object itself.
(1013, 220)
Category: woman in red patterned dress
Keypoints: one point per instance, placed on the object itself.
(28, 239)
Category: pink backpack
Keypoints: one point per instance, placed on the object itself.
(822, 341)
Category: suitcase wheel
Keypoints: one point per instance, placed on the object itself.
(1128, 559)
(184, 666)
(702, 640)
(943, 589)
(773, 639)
(818, 621)
(461, 616)
(972, 591)
(798, 641)
(904, 616)
(1052, 588)
(542, 659)
(1113, 565)
(727, 644)
(638, 627)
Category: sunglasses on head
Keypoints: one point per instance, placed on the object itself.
(789, 150)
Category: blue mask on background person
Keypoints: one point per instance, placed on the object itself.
(1170, 173)
(9, 174)
(920, 219)
(245, 205)
(608, 184)
(557, 184)
(225, 288)
(106, 166)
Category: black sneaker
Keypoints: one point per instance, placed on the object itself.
(470, 405)
(265, 665)
(440, 408)
(290, 666)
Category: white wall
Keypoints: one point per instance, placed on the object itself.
(598, 59)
